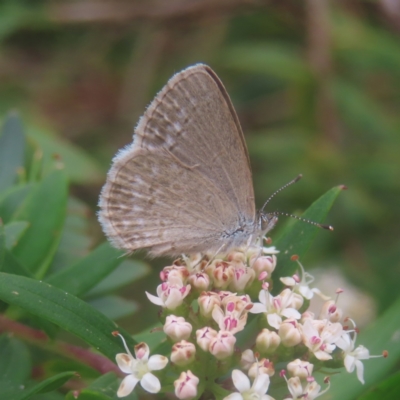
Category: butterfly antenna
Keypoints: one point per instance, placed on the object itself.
(280, 190)
(328, 227)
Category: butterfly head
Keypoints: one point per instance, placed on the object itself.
(266, 222)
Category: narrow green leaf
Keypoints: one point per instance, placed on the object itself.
(12, 148)
(76, 240)
(13, 231)
(2, 245)
(299, 236)
(125, 273)
(13, 266)
(114, 307)
(89, 271)
(80, 167)
(45, 211)
(64, 310)
(389, 389)
(47, 385)
(15, 362)
(12, 199)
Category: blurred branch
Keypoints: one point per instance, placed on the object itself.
(125, 11)
(40, 339)
(319, 56)
(391, 11)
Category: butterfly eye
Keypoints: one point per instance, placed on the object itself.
(267, 222)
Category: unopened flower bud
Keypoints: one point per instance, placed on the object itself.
(186, 386)
(302, 369)
(267, 341)
(263, 366)
(247, 359)
(307, 315)
(222, 345)
(263, 263)
(183, 353)
(204, 337)
(177, 328)
(289, 333)
(174, 272)
(242, 278)
(207, 301)
(199, 281)
(221, 273)
(331, 312)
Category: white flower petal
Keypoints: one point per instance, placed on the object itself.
(262, 296)
(261, 384)
(291, 313)
(157, 362)
(124, 362)
(127, 385)
(257, 308)
(154, 299)
(234, 396)
(360, 371)
(349, 363)
(240, 380)
(150, 383)
(288, 281)
(274, 320)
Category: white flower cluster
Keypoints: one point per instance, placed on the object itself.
(207, 302)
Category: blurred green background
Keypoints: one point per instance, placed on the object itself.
(316, 85)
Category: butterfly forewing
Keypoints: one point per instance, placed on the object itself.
(185, 182)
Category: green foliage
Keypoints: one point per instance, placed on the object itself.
(81, 88)
(43, 289)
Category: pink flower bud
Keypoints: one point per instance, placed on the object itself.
(302, 369)
(221, 273)
(207, 301)
(331, 312)
(204, 337)
(289, 333)
(222, 345)
(174, 271)
(183, 353)
(177, 328)
(199, 281)
(186, 386)
(263, 366)
(263, 263)
(242, 278)
(267, 341)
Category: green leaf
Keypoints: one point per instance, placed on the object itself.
(2, 245)
(89, 271)
(13, 266)
(79, 166)
(12, 148)
(389, 389)
(64, 310)
(114, 307)
(127, 272)
(15, 362)
(13, 231)
(381, 335)
(47, 385)
(12, 199)
(298, 237)
(75, 241)
(45, 211)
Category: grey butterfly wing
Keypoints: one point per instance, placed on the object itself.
(184, 185)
